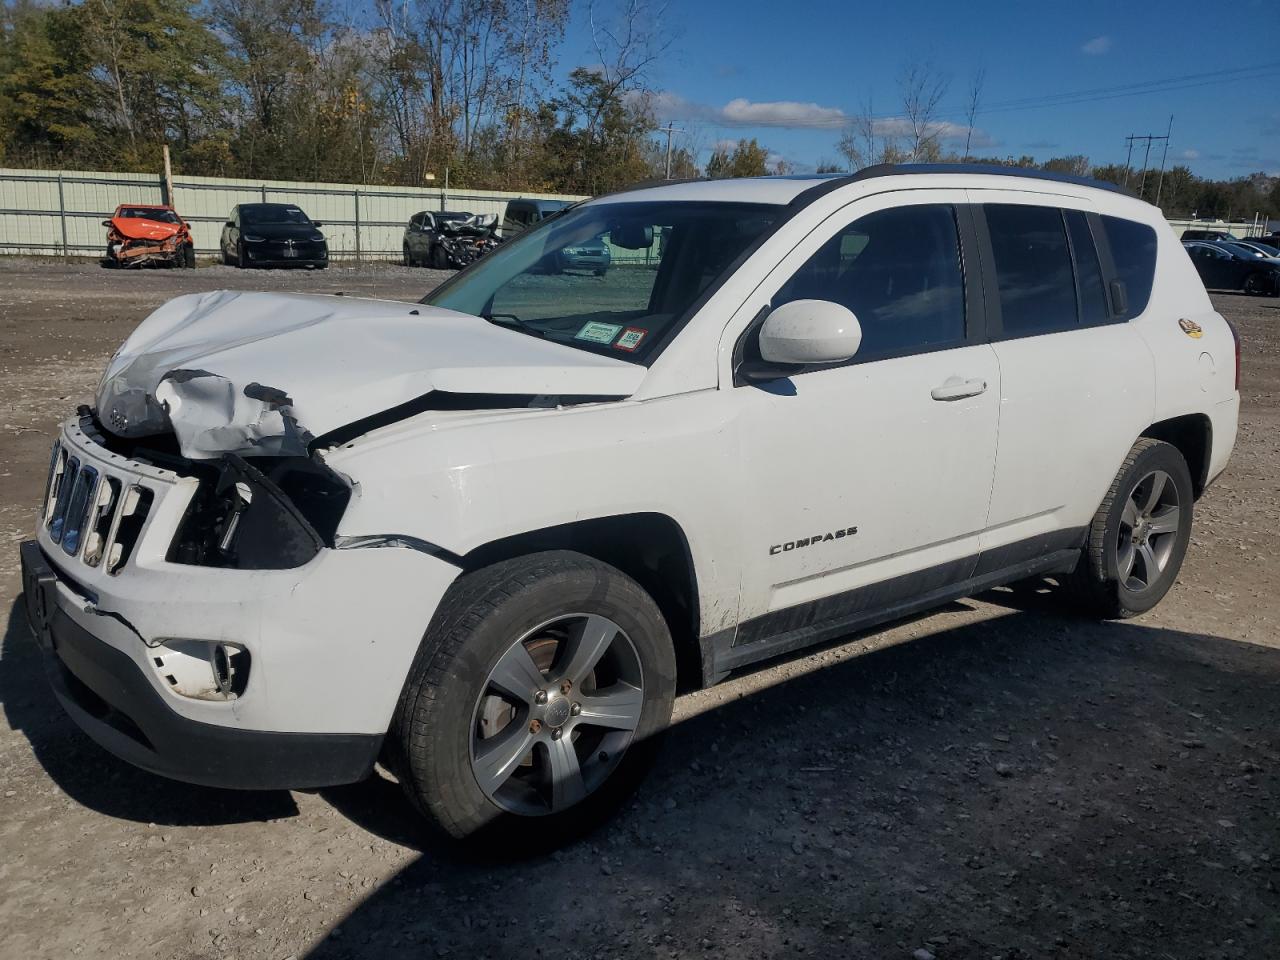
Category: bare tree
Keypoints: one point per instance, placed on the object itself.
(923, 88)
(869, 140)
(626, 44)
(976, 83)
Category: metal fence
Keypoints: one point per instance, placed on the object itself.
(61, 212)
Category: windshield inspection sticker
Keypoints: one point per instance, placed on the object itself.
(630, 338)
(597, 332)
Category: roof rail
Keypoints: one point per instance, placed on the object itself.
(983, 169)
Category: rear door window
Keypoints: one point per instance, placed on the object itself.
(1089, 285)
(1133, 250)
(1033, 269)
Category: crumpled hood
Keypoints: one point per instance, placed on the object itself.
(138, 229)
(265, 373)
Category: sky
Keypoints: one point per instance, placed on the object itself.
(791, 74)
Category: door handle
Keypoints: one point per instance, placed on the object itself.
(957, 388)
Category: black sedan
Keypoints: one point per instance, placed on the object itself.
(273, 235)
(1221, 268)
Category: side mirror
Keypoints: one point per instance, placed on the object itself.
(317, 224)
(810, 331)
(106, 223)
(231, 223)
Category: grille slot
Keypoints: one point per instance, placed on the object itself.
(85, 487)
(102, 520)
(65, 484)
(134, 507)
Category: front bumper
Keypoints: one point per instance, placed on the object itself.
(270, 254)
(330, 643)
(110, 698)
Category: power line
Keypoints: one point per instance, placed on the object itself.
(1043, 101)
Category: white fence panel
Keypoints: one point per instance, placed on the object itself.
(61, 212)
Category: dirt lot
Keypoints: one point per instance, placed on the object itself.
(1011, 784)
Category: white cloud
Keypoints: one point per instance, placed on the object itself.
(795, 115)
(740, 112)
(1190, 154)
(1097, 46)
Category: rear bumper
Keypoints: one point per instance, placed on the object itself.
(106, 693)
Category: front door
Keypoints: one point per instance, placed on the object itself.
(867, 484)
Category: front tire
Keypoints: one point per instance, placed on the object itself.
(534, 703)
(1139, 536)
(1255, 285)
(242, 258)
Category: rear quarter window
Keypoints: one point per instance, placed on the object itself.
(1133, 251)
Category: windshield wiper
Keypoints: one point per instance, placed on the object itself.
(514, 322)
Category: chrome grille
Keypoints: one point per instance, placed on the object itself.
(91, 513)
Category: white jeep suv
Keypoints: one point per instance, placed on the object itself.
(484, 537)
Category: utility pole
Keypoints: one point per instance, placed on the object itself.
(669, 130)
(1148, 139)
(168, 178)
(1163, 158)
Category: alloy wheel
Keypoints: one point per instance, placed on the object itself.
(1148, 531)
(556, 714)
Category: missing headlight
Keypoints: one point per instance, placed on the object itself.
(273, 518)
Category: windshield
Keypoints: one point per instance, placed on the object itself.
(648, 263)
(272, 213)
(148, 213)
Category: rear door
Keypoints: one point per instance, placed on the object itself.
(1077, 382)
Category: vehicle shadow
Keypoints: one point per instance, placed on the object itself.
(1029, 785)
(91, 776)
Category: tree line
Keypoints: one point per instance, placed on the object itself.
(400, 90)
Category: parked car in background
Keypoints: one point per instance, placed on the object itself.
(1246, 250)
(140, 234)
(523, 213)
(448, 239)
(1261, 247)
(422, 235)
(486, 537)
(1205, 235)
(1222, 268)
(591, 255)
(273, 235)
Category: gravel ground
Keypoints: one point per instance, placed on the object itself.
(1012, 783)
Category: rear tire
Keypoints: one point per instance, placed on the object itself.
(1139, 536)
(532, 619)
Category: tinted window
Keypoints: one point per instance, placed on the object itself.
(899, 271)
(1033, 269)
(1133, 250)
(1089, 286)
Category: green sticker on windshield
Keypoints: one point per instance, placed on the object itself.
(598, 332)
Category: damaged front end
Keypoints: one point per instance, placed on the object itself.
(275, 513)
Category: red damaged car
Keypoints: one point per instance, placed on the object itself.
(143, 234)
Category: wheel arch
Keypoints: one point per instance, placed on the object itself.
(651, 548)
(1192, 435)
